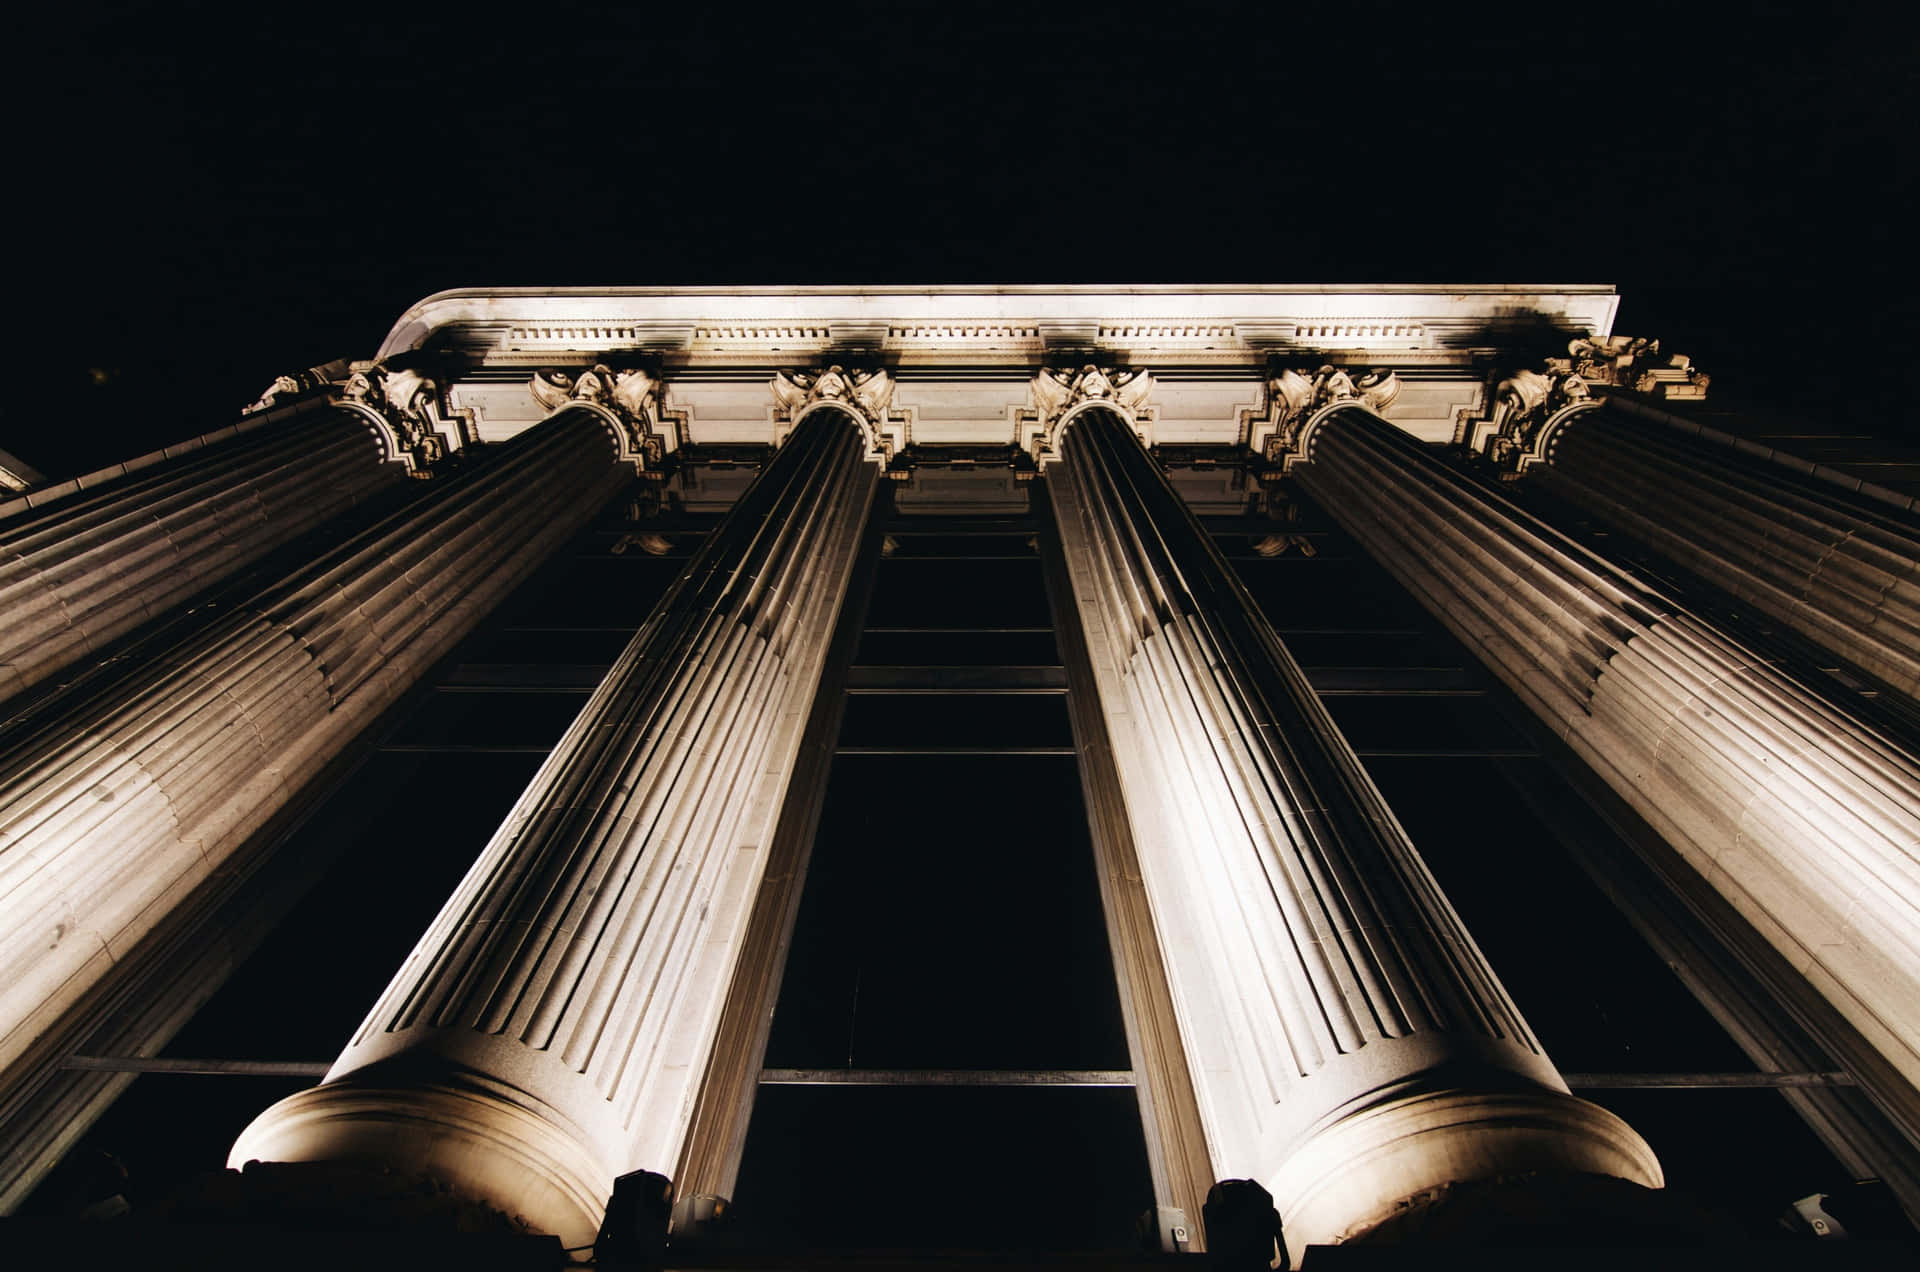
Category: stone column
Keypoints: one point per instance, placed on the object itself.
(81, 569)
(117, 808)
(1350, 1047)
(1838, 571)
(550, 1030)
(1805, 819)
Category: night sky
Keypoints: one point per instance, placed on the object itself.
(205, 202)
(201, 204)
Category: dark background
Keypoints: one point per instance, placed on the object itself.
(207, 200)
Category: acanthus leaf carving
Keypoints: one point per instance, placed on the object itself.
(1055, 392)
(1294, 398)
(420, 430)
(1527, 404)
(866, 392)
(1636, 363)
(631, 398)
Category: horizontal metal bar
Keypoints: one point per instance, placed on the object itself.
(1703, 1081)
(460, 748)
(1456, 682)
(204, 1068)
(1446, 753)
(1393, 692)
(629, 630)
(957, 679)
(948, 1077)
(956, 631)
(933, 524)
(580, 690)
(637, 554)
(957, 750)
(513, 675)
(960, 1077)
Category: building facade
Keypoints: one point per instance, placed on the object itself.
(1267, 716)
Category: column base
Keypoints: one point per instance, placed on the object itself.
(490, 1144)
(1368, 1166)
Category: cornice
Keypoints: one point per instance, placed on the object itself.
(1029, 323)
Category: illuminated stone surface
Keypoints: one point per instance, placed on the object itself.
(1804, 818)
(118, 808)
(1841, 573)
(82, 566)
(1349, 1045)
(550, 1031)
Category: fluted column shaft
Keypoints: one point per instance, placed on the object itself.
(115, 809)
(85, 569)
(550, 1030)
(1350, 1047)
(1803, 817)
(1838, 572)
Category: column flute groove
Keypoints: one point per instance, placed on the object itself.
(550, 1030)
(1349, 1045)
(1802, 816)
(78, 572)
(116, 807)
(1842, 574)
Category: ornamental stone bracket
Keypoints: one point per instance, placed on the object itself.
(631, 399)
(864, 393)
(1296, 400)
(407, 407)
(1056, 394)
(286, 389)
(1635, 363)
(1529, 407)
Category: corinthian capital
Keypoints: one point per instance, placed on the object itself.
(865, 392)
(1057, 391)
(418, 425)
(629, 397)
(1295, 397)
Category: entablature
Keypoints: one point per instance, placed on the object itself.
(961, 360)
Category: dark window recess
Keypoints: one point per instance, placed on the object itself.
(1314, 595)
(1283, 542)
(1421, 723)
(588, 591)
(474, 719)
(545, 644)
(1001, 1170)
(906, 544)
(960, 720)
(935, 592)
(1421, 648)
(961, 931)
(1600, 1000)
(957, 649)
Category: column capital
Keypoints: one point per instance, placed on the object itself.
(630, 399)
(409, 411)
(1056, 394)
(864, 392)
(1295, 399)
(1529, 408)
